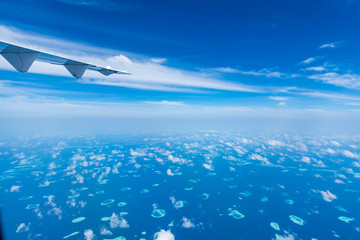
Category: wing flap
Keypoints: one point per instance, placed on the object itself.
(20, 58)
(77, 69)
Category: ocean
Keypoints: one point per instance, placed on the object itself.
(183, 185)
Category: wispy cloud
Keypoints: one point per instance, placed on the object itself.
(147, 72)
(309, 60)
(333, 96)
(328, 45)
(265, 72)
(316, 69)
(106, 5)
(164, 102)
(343, 80)
(353, 103)
(227, 70)
(344, 98)
(275, 98)
(158, 60)
(280, 100)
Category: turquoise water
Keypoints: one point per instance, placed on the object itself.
(202, 185)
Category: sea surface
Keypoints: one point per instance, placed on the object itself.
(194, 185)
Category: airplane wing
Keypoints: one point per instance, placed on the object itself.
(21, 58)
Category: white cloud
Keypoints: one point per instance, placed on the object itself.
(169, 172)
(286, 236)
(281, 99)
(339, 181)
(347, 80)
(265, 72)
(335, 143)
(349, 154)
(316, 69)
(328, 95)
(256, 156)
(164, 235)
(227, 70)
(328, 196)
(208, 166)
(331, 151)
(23, 227)
(116, 222)
(105, 231)
(124, 223)
(15, 188)
(164, 102)
(305, 159)
(158, 60)
(276, 143)
(328, 45)
(309, 60)
(187, 223)
(89, 234)
(353, 104)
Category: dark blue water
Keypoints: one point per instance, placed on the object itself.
(231, 186)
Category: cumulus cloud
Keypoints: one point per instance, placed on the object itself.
(105, 231)
(208, 166)
(15, 188)
(335, 143)
(285, 236)
(328, 196)
(275, 143)
(164, 235)
(256, 156)
(116, 222)
(349, 154)
(329, 150)
(169, 172)
(89, 234)
(305, 159)
(186, 223)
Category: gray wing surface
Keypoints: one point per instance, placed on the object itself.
(21, 58)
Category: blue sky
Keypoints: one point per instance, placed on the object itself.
(234, 59)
